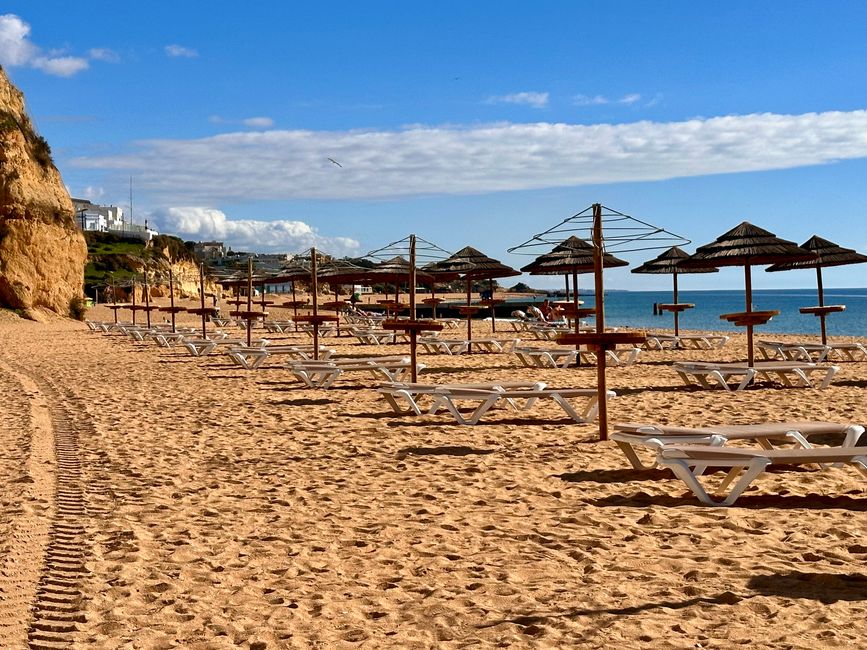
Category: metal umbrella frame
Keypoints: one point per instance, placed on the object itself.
(571, 256)
(670, 262)
(416, 249)
(747, 245)
(472, 264)
(622, 234)
(827, 254)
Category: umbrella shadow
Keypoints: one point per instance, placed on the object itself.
(304, 401)
(530, 622)
(613, 475)
(751, 502)
(456, 450)
(827, 588)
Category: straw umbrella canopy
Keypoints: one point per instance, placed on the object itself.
(670, 262)
(747, 245)
(336, 272)
(394, 271)
(571, 256)
(472, 264)
(826, 253)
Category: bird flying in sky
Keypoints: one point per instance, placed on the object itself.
(335, 162)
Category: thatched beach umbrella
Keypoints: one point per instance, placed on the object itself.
(827, 254)
(472, 264)
(747, 245)
(571, 256)
(336, 272)
(670, 262)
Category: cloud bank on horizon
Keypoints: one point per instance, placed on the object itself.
(449, 160)
(281, 235)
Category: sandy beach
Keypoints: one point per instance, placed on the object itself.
(165, 501)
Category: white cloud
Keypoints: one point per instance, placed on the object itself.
(61, 66)
(629, 99)
(104, 54)
(534, 99)
(17, 50)
(586, 100)
(181, 51)
(251, 122)
(424, 160)
(258, 122)
(281, 235)
(91, 193)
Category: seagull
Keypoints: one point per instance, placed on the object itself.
(335, 162)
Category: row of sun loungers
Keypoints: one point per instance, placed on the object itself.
(688, 452)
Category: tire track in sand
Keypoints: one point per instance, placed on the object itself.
(58, 606)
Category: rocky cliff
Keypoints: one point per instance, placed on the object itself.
(42, 252)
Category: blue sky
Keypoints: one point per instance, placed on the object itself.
(476, 123)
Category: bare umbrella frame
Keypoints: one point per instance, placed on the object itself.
(624, 234)
(391, 268)
(747, 245)
(670, 263)
(827, 254)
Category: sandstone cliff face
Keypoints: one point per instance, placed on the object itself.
(42, 252)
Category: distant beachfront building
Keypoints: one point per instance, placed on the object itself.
(209, 250)
(91, 217)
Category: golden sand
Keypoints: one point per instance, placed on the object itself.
(166, 501)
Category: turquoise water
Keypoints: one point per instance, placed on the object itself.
(635, 309)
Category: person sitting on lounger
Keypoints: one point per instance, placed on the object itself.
(535, 312)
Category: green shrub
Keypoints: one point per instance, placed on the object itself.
(77, 307)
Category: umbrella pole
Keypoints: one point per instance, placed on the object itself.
(469, 316)
(114, 298)
(294, 305)
(575, 300)
(315, 303)
(821, 290)
(433, 295)
(133, 303)
(147, 298)
(493, 306)
(413, 351)
(748, 280)
(249, 300)
(676, 312)
(172, 296)
(337, 307)
(566, 276)
(202, 299)
(602, 394)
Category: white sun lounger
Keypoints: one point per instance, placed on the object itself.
(810, 352)
(322, 374)
(744, 465)
(789, 373)
(278, 326)
(486, 399)
(254, 357)
(629, 436)
(203, 347)
(404, 397)
(685, 341)
(563, 357)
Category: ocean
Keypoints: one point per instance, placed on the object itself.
(635, 309)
